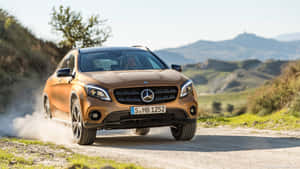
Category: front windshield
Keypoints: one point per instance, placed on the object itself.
(119, 60)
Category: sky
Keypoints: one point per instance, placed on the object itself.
(167, 23)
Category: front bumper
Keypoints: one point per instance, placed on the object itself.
(115, 115)
(124, 120)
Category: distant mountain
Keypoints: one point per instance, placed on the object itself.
(242, 47)
(289, 37)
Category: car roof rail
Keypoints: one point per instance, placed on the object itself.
(140, 46)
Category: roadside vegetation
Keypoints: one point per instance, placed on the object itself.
(32, 154)
(281, 120)
(23, 57)
(282, 92)
(275, 105)
(237, 99)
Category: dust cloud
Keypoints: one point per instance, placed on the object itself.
(35, 126)
(24, 117)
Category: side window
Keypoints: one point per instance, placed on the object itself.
(68, 62)
(71, 62)
(154, 65)
(64, 64)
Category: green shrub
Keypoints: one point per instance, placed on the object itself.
(278, 93)
(229, 108)
(240, 111)
(295, 106)
(216, 107)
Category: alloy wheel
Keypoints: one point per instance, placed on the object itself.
(76, 123)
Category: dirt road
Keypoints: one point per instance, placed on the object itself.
(212, 148)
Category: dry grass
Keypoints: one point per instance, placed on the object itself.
(277, 94)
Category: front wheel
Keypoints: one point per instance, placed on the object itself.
(81, 135)
(184, 132)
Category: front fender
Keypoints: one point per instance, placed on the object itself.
(79, 93)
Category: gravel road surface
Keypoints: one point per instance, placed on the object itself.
(212, 148)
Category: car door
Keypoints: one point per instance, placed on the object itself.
(61, 87)
(53, 85)
(65, 87)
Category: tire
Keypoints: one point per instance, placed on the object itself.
(142, 131)
(184, 132)
(81, 135)
(47, 111)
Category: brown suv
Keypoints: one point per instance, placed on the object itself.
(120, 88)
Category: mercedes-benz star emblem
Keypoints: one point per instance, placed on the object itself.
(147, 95)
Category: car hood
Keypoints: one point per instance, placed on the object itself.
(119, 79)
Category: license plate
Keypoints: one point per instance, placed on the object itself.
(148, 110)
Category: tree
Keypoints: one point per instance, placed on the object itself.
(216, 107)
(229, 108)
(75, 31)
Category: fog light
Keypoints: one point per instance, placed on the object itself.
(95, 115)
(193, 110)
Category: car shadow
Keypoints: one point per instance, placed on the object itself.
(200, 143)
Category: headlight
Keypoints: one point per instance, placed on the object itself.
(97, 92)
(186, 88)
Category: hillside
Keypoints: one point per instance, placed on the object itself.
(242, 47)
(280, 93)
(214, 76)
(22, 57)
(274, 105)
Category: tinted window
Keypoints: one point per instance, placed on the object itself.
(68, 62)
(64, 64)
(71, 62)
(119, 60)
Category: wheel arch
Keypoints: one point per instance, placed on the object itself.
(44, 96)
(47, 111)
(77, 92)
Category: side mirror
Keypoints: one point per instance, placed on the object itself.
(177, 68)
(65, 72)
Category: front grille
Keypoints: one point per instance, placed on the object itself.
(133, 95)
